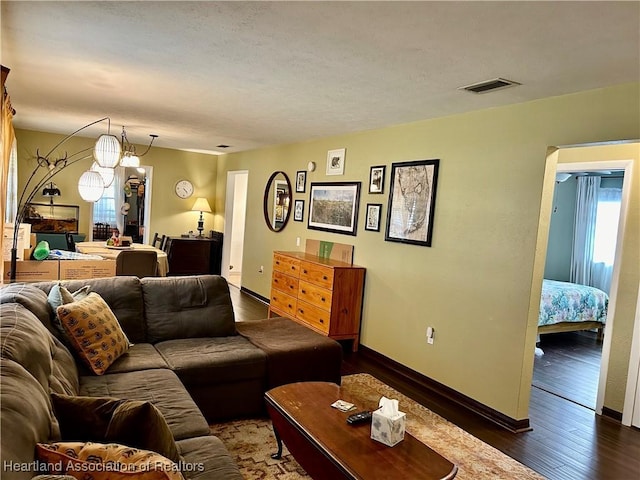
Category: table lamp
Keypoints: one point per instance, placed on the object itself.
(201, 205)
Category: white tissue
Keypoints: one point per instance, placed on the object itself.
(388, 407)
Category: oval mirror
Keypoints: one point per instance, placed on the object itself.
(277, 199)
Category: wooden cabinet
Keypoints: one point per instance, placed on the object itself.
(324, 295)
(195, 256)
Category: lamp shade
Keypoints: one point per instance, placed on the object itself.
(201, 205)
(90, 186)
(130, 160)
(107, 151)
(107, 174)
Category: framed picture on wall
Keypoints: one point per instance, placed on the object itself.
(376, 179)
(335, 162)
(301, 181)
(412, 201)
(372, 220)
(333, 207)
(298, 210)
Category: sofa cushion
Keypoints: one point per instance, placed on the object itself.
(205, 458)
(26, 341)
(94, 332)
(187, 307)
(83, 418)
(213, 360)
(140, 356)
(106, 461)
(122, 294)
(25, 418)
(294, 353)
(31, 297)
(160, 387)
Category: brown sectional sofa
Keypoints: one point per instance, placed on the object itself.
(189, 358)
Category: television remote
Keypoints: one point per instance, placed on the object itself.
(359, 417)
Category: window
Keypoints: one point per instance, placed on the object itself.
(607, 216)
(104, 210)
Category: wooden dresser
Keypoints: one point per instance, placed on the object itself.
(324, 295)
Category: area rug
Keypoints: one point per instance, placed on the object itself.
(251, 442)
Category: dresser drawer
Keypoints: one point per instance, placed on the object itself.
(284, 283)
(317, 274)
(318, 296)
(314, 316)
(283, 302)
(288, 265)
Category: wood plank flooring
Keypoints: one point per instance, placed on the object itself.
(568, 441)
(570, 366)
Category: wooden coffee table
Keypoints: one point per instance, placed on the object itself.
(322, 442)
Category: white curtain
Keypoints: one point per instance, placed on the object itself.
(584, 230)
(607, 219)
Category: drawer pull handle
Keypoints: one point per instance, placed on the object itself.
(275, 280)
(291, 286)
(301, 310)
(304, 271)
(324, 277)
(323, 299)
(277, 263)
(304, 291)
(290, 306)
(321, 321)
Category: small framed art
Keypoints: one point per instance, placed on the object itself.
(335, 162)
(298, 210)
(372, 220)
(376, 179)
(301, 181)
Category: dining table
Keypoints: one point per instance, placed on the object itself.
(111, 253)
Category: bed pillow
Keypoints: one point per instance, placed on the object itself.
(105, 462)
(94, 332)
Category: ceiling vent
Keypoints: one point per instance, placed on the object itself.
(222, 146)
(489, 85)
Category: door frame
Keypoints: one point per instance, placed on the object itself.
(228, 219)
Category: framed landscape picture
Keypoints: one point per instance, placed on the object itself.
(372, 220)
(333, 207)
(376, 179)
(412, 202)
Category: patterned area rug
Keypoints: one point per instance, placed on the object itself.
(251, 442)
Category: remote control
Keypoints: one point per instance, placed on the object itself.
(358, 417)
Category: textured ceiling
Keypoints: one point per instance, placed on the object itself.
(251, 74)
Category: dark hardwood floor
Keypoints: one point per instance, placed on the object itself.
(567, 442)
(570, 366)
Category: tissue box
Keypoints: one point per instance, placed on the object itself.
(387, 429)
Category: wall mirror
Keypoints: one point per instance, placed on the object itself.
(277, 199)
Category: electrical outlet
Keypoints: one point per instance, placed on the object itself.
(430, 335)
(297, 241)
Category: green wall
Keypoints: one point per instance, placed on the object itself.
(558, 263)
(474, 285)
(170, 215)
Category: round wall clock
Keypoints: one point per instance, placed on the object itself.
(184, 189)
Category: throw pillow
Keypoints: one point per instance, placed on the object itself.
(134, 423)
(94, 332)
(59, 295)
(98, 461)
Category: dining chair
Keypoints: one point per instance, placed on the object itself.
(139, 263)
(155, 239)
(71, 243)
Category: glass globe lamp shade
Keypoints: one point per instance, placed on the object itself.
(107, 174)
(107, 151)
(130, 160)
(90, 186)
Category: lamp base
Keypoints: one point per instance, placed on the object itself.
(200, 225)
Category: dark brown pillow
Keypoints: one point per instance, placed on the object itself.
(133, 423)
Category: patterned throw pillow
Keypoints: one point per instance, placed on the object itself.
(59, 295)
(98, 461)
(94, 332)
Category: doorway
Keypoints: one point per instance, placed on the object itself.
(567, 362)
(235, 213)
(588, 159)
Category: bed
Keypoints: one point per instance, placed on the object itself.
(569, 307)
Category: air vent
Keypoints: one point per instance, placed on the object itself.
(489, 85)
(222, 146)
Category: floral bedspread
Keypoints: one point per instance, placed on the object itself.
(570, 302)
